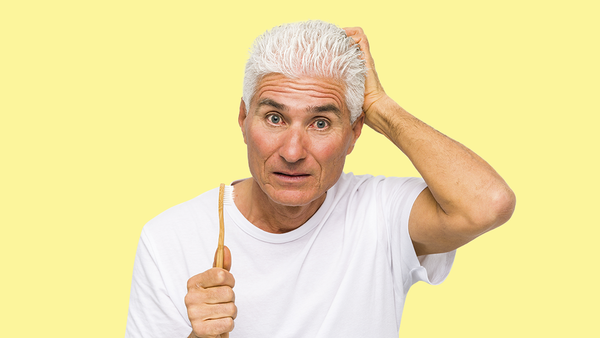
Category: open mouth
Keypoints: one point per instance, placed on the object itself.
(290, 175)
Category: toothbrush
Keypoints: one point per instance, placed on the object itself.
(225, 196)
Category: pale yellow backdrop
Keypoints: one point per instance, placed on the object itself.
(113, 111)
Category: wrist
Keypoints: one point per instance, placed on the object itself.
(382, 115)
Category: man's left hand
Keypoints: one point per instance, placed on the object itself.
(375, 97)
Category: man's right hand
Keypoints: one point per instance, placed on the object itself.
(210, 301)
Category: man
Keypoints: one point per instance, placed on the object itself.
(318, 253)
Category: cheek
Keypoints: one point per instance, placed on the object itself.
(331, 154)
(260, 146)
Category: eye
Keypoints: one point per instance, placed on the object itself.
(321, 124)
(275, 119)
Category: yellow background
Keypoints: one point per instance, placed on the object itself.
(113, 111)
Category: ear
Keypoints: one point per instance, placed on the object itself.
(356, 129)
(242, 117)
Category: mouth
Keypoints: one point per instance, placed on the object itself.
(290, 176)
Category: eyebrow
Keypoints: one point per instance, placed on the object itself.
(312, 109)
(325, 108)
(274, 104)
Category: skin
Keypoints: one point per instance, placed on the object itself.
(210, 301)
(298, 133)
(465, 196)
(293, 164)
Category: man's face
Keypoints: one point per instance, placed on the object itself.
(298, 133)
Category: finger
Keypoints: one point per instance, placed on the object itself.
(353, 30)
(215, 327)
(211, 278)
(218, 311)
(205, 312)
(219, 294)
(358, 35)
(226, 258)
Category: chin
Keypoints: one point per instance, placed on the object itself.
(293, 198)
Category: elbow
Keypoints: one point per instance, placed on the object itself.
(502, 206)
(506, 204)
(493, 211)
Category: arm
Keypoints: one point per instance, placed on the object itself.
(465, 196)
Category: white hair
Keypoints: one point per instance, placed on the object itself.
(308, 49)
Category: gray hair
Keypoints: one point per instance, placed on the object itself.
(313, 49)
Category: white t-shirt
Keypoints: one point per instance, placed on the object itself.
(344, 273)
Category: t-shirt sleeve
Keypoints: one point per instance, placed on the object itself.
(152, 313)
(408, 269)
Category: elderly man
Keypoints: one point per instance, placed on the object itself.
(318, 253)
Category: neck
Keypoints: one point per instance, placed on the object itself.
(266, 214)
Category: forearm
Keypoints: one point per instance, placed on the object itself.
(462, 183)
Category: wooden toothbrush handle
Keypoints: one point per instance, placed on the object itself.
(219, 263)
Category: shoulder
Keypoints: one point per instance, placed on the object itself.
(381, 186)
(385, 195)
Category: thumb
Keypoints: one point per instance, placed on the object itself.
(226, 258)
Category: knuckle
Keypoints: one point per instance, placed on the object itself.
(194, 314)
(191, 299)
(213, 327)
(229, 294)
(227, 324)
(195, 282)
(194, 298)
(234, 311)
(220, 276)
(191, 283)
(230, 308)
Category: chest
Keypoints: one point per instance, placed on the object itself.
(333, 279)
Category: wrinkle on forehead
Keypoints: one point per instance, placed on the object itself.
(314, 109)
(315, 87)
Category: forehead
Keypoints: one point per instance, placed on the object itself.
(301, 92)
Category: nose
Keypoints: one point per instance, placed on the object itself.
(293, 148)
